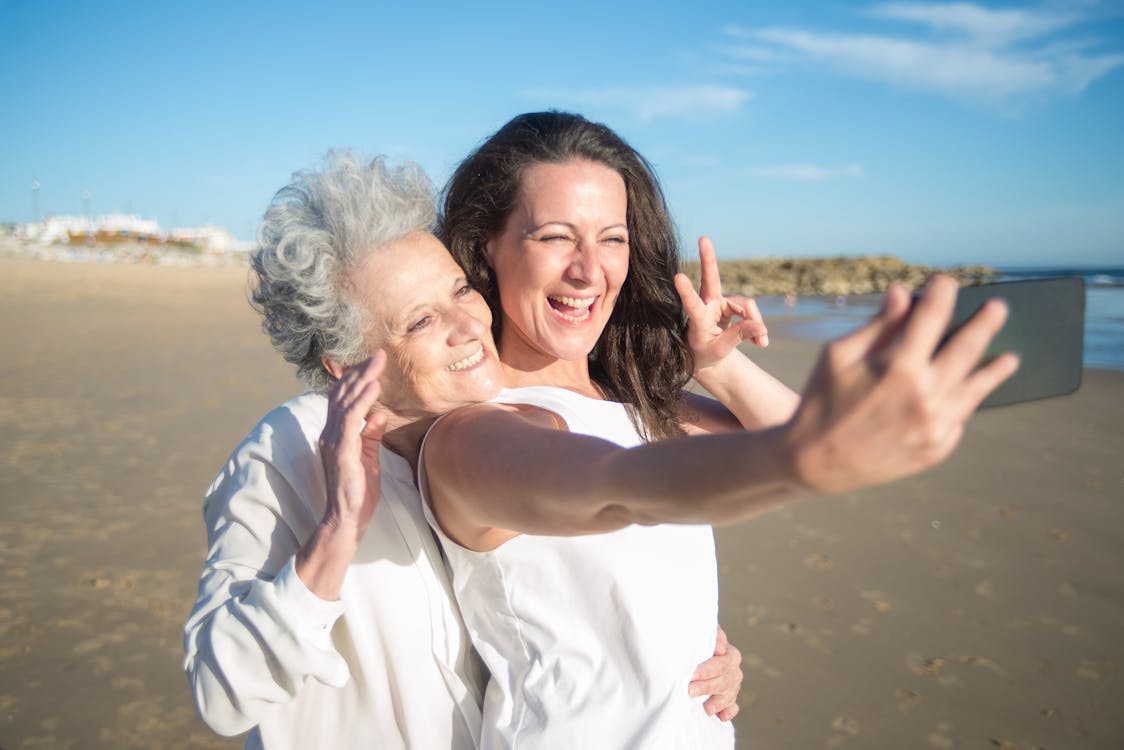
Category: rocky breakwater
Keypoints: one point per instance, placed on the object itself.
(830, 276)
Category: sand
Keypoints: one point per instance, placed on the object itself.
(978, 606)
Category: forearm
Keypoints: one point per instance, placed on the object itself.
(256, 632)
(546, 481)
(322, 562)
(712, 479)
(755, 398)
(251, 644)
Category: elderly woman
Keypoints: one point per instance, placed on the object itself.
(324, 616)
(588, 623)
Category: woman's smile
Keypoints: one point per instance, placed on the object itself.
(468, 362)
(572, 309)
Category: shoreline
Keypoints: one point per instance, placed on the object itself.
(817, 317)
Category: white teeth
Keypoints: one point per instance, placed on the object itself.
(574, 301)
(580, 317)
(468, 361)
(579, 304)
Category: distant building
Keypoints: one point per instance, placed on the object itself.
(126, 228)
(106, 229)
(210, 239)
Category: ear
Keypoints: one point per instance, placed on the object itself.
(334, 368)
(486, 252)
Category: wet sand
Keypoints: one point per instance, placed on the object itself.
(978, 606)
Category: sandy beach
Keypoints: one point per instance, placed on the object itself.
(980, 605)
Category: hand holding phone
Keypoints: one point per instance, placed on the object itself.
(1045, 327)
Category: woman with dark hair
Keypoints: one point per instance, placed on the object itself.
(565, 506)
(646, 325)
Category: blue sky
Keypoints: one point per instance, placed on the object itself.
(938, 132)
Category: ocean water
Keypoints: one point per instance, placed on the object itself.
(822, 319)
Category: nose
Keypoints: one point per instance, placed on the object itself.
(586, 263)
(467, 326)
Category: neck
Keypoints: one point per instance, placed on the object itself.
(524, 364)
(404, 437)
(572, 375)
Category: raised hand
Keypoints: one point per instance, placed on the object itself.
(712, 331)
(349, 446)
(883, 403)
(349, 450)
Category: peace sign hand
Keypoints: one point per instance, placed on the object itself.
(717, 323)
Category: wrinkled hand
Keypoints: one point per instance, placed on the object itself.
(883, 403)
(712, 332)
(720, 677)
(349, 446)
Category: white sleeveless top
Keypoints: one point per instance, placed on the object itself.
(591, 640)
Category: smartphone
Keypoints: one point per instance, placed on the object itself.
(1045, 327)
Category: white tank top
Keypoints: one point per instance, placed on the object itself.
(591, 640)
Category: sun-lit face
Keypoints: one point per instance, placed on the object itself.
(560, 261)
(435, 329)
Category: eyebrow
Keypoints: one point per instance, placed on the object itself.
(569, 225)
(401, 322)
(402, 319)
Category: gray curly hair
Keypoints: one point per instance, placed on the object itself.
(317, 229)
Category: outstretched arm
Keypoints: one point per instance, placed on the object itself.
(882, 404)
(716, 325)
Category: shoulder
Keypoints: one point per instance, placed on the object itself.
(285, 428)
(305, 415)
(283, 443)
(475, 419)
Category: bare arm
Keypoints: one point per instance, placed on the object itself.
(493, 468)
(880, 405)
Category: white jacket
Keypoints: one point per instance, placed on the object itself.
(387, 666)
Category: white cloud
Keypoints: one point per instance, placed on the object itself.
(958, 70)
(649, 103)
(980, 23)
(999, 58)
(804, 172)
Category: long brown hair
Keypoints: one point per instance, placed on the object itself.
(642, 357)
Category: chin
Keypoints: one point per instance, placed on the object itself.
(573, 351)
